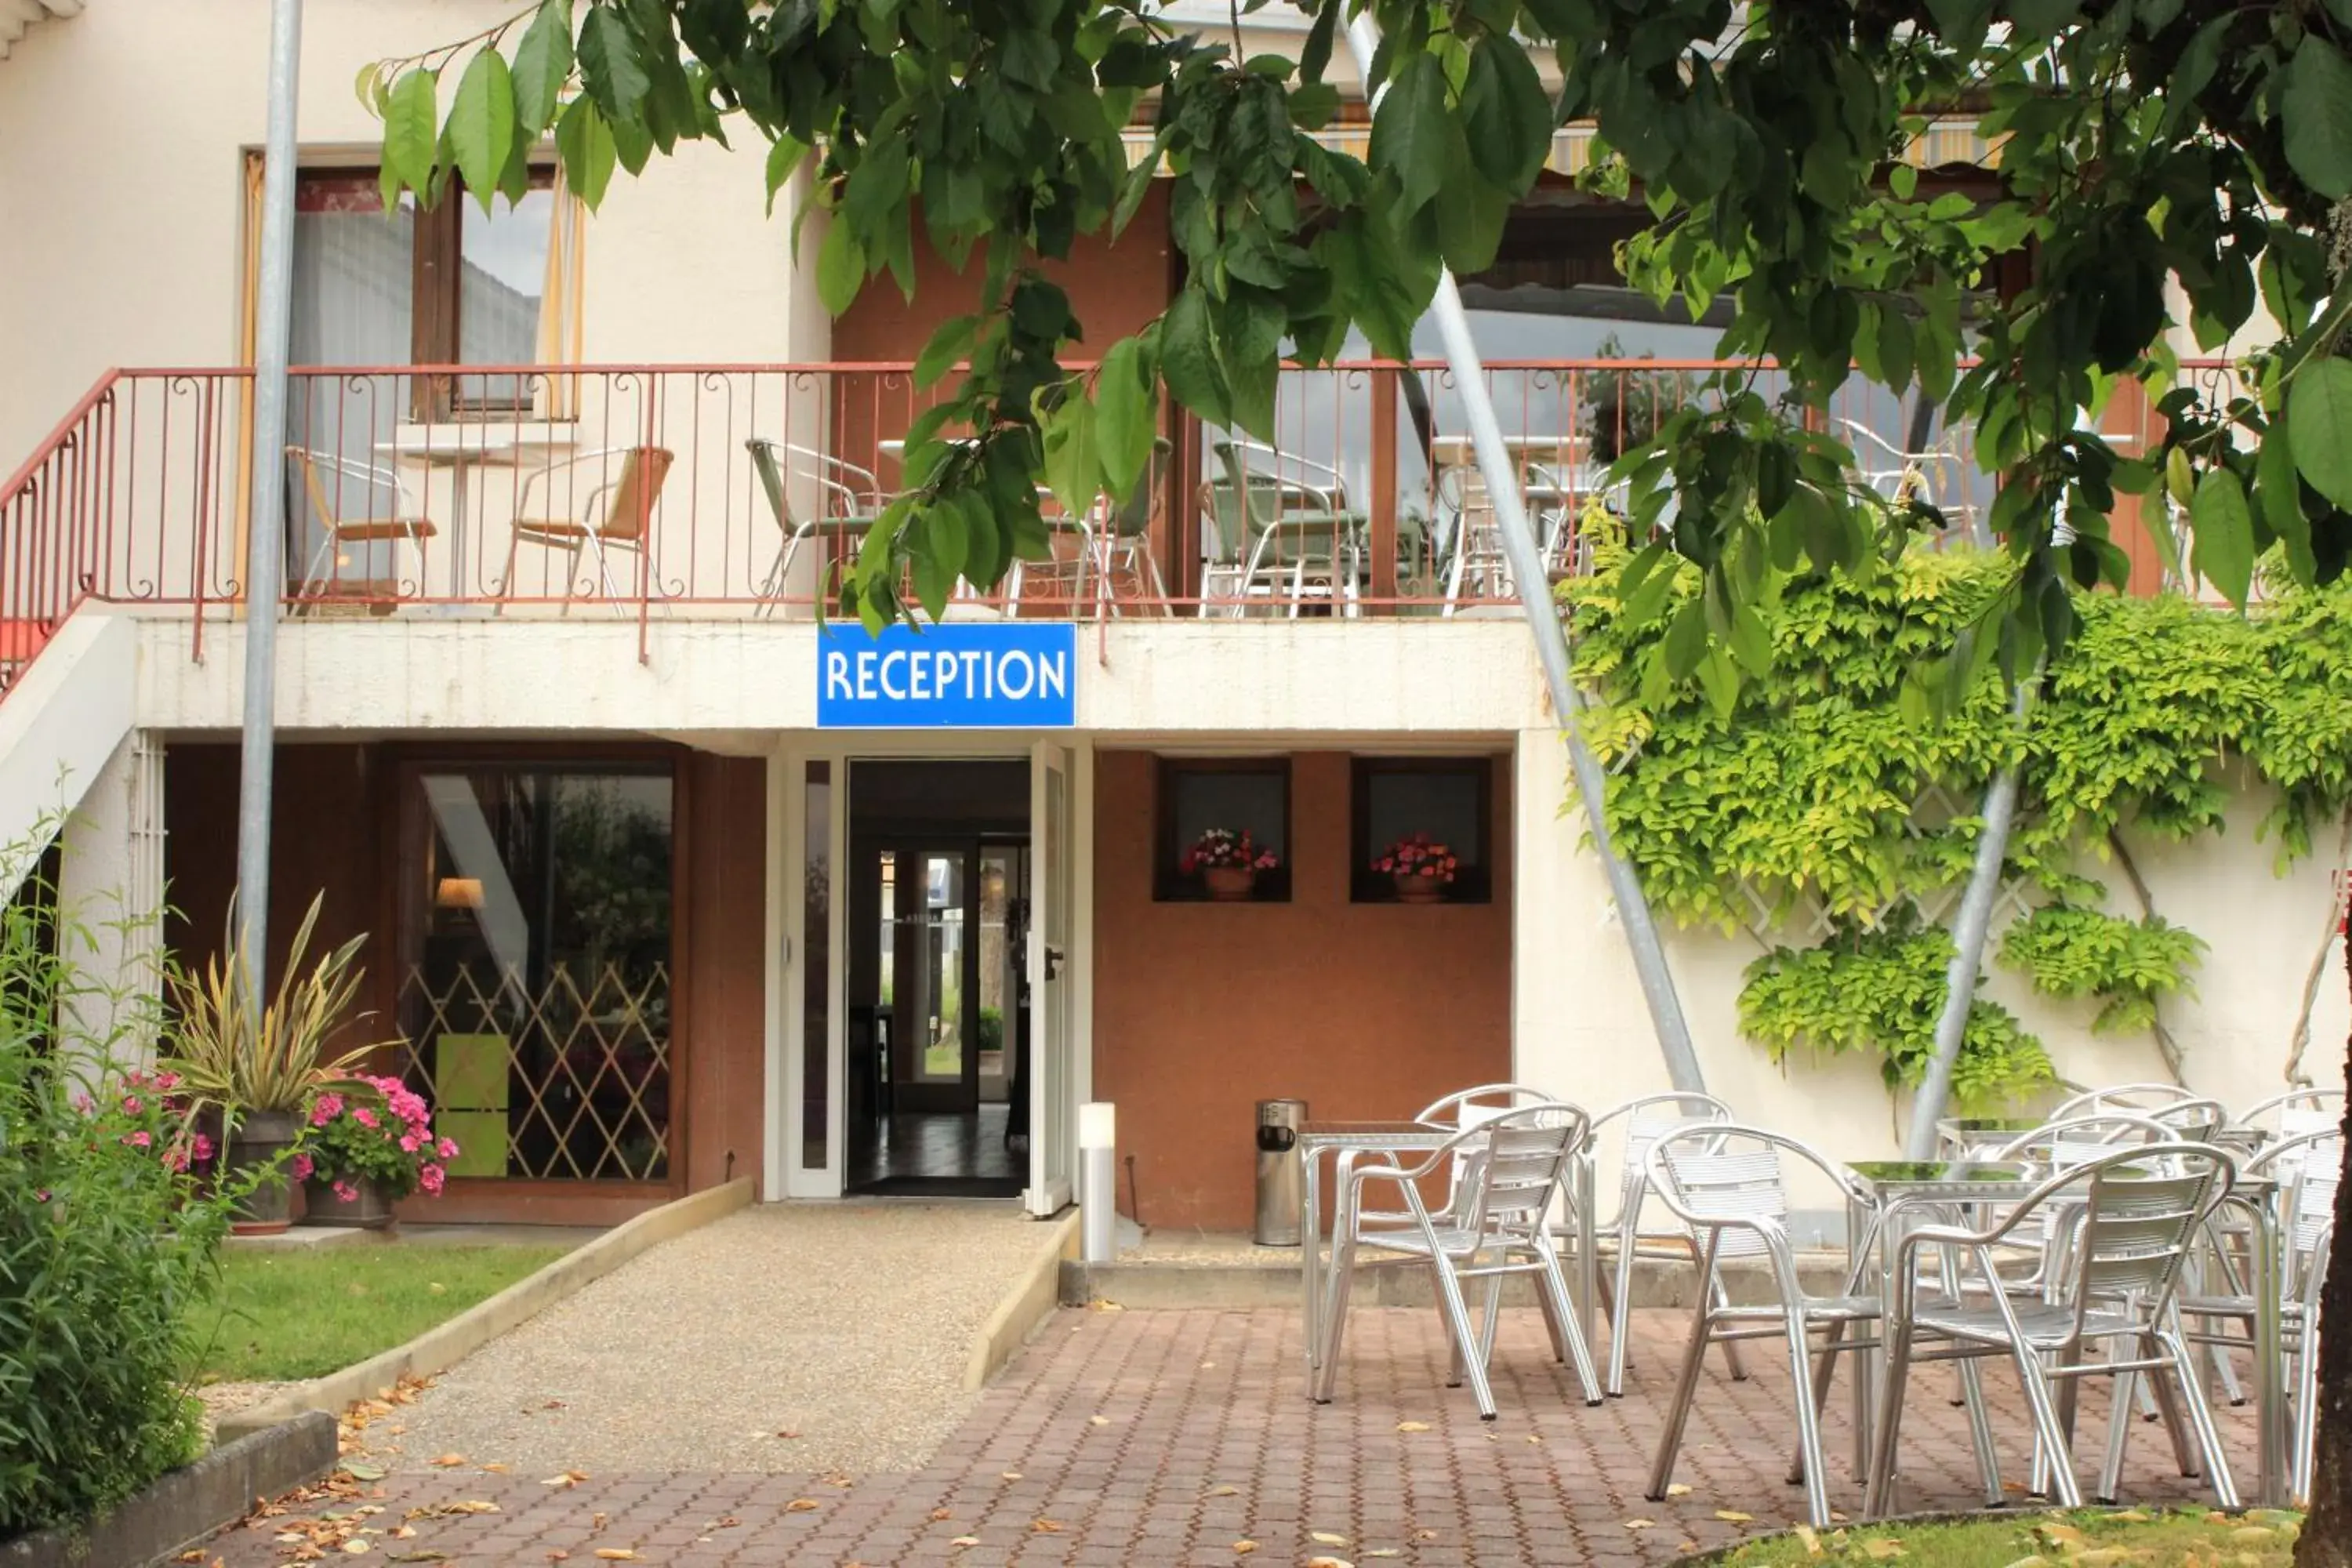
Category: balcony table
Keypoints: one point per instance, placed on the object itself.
(458, 448)
(1898, 1187)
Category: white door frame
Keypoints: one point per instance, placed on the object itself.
(787, 914)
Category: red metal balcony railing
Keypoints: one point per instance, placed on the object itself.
(663, 493)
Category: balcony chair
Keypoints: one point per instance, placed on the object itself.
(615, 516)
(1296, 535)
(1725, 1182)
(2292, 1114)
(405, 525)
(852, 509)
(1126, 545)
(2140, 1211)
(1504, 1165)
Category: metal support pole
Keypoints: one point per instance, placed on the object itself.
(1528, 575)
(1968, 930)
(265, 541)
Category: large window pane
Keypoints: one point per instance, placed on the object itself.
(538, 996)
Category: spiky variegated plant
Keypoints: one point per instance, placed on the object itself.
(235, 1058)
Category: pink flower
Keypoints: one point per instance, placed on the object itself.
(430, 1177)
(42, 1196)
(346, 1191)
(325, 1109)
(446, 1148)
(203, 1149)
(302, 1166)
(363, 1116)
(408, 1142)
(140, 1140)
(131, 1103)
(82, 1102)
(167, 1081)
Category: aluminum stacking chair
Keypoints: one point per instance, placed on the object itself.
(2141, 1210)
(1645, 1121)
(2293, 1113)
(1493, 1226)
(2140, 1098)
(1464, 1108)
(2310, 1167)
(1725, 1182)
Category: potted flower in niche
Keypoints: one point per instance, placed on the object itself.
(367, 1149)
(1227, 863)
(1422, 870)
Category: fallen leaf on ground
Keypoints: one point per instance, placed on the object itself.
(940, 1514)
(448, 1461)
(1244, 1548)
(1098, 1420)
(1641, 1524)
(1733, 1516)
(1412, 1425)
(1535, 1437)
(494, 1468)
(1329, 1562)
(1424, 1535)
(425, 1556)
(802, 1505)
(616, 1554)
(1678, 1489)
(1223, 1491)
(788, 1433)
(559, 1555)
(357, 1548)
(1010, 1475)
(1324, 1538)
(1813, 1544)
(1385, 1551)
(1046, 1527)
(364, 1472)
(965, 1540)
(2036, 1561)
(443, 1509)
(1105, 1307)
(1882, 1550)
(567, 1479)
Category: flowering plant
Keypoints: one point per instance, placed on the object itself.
(1220, 847)
(379, 1132)
(1415, 856)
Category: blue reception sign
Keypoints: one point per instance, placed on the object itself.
(964, 675)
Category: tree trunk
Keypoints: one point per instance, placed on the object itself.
(2326, 1539)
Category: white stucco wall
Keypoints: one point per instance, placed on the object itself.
(122, 135)
(1584, 1030)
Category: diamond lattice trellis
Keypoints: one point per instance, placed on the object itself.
(588, 1069)
(1809, 921)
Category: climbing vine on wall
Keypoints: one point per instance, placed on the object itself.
(1824, 794)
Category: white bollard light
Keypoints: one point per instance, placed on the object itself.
(1097, 1185)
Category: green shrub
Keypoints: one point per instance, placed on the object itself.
(991, 1028)
(109, 1243)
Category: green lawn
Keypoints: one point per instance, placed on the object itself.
(287, 1315)
(2187, 1538)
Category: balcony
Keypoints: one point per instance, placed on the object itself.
(658, 493)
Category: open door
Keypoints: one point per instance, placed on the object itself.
(1052, 1118)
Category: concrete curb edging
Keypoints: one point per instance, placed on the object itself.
(445, 1344)
(1029, 1303)
(188, 1504)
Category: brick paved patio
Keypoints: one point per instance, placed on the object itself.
(1156, 1439)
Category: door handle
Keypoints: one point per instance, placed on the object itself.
(1054, 957)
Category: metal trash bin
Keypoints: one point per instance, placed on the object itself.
(1281, 1175)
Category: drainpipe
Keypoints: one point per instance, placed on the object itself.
(265, 541)
(1502, 480)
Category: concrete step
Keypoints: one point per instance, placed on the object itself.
(1240, 1276)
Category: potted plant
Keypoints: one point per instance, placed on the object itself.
(1422, 870)
(255, 1067)
(1227, 863)
(366, 1149)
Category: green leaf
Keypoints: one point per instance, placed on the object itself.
(482, 122)
(608, 63)
(944, 537)
(1127, 414)
(1188, 358)
(1506, 113)
(585, 144)
(1720, 681)
(2319, 425)
(412, 133)
(840, 266)
(2223, 550)
(542, 66)
(950, 341)
(1686, 640)
(1413, 132)
(1750, 643)
(1073, 461)
(2316, 110)
(2278, 499)
(783, 156)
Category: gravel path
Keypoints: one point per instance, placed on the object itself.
(227, 1398)
(778, 1338)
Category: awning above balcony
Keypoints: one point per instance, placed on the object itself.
(18, 16)
(1951, 142)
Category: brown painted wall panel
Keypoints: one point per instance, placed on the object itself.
(726, 802)
(1203, 1009)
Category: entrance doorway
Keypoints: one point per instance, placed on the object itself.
(938, 980)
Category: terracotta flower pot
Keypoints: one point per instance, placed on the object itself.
(261, 1137)
(369, 1210)
(1229, 884)
(1412, 889)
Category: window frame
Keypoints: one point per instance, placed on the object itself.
(1474, 883)
(1169, 886)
